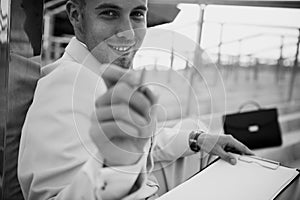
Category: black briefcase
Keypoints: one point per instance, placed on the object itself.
(256, 129)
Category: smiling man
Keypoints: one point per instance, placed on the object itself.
(90, 132)
(111, 29)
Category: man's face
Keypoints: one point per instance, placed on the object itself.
(114, 29)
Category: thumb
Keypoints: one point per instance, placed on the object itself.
(112, 74)
(228, 157)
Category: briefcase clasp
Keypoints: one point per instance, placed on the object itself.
(253, 128)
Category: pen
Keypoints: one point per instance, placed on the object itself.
(264, 159)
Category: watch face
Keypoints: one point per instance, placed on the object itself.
(193, 140)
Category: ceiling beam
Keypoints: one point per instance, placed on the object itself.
(263, 3)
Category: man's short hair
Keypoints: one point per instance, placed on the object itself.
(81, 3)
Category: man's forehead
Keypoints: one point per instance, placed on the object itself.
(119, 3)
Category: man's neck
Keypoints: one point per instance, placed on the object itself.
(83, 44)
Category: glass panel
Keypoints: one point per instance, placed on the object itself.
(4, 32)
(20, 74)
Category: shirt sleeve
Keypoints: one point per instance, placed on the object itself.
(173, 143)
(83, 186)
(113, 182)
(57, 158)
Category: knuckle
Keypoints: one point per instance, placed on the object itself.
(226, 156)
(144, 101)
(122, 86)
(99, 115)
(122, 110)
(99, 101)
(120, 92)
(229, 137)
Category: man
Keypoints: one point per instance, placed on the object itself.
(90, 132)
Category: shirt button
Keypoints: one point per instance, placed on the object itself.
(104, 185)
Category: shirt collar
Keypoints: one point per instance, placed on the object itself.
(80, 53)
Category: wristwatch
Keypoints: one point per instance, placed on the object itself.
(193, 140)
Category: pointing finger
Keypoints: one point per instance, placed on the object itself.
(239, 147)
(228, 157)
(113, 73)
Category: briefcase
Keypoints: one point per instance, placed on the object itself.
(256, 129)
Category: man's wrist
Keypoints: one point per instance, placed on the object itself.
(193, 140)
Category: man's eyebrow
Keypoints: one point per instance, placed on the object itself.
(107, 5)
(144, 8)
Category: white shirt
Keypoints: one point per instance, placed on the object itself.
(58, 160)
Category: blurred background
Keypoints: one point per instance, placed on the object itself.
(249, 48)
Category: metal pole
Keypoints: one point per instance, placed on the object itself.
(5, 20)
(171, 65)
(198, 50)
(200, 23)
(279, 61)
(197, 58)
(48, 32)
(294, 70)
(220, 44)
(238, 62)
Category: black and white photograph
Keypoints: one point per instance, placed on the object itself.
(149, 99)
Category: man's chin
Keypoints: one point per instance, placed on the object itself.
(123, 62)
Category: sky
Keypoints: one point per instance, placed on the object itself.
(264, 26)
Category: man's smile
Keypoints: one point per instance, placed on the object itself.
(121, 49)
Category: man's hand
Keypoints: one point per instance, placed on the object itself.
(123, 114)
(222, 145)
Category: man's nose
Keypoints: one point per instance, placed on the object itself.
(126, 30)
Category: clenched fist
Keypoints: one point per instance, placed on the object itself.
(126, 120)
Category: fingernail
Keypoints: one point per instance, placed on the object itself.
(232, 161)
(142, 122)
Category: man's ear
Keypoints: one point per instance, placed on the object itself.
(75, 15)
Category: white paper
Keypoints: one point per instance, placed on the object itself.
(247, 181)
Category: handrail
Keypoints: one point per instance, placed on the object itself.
(268, 48)
(249, 37)
(256, 25)
(235, 40)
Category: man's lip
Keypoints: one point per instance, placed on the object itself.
(121, 49)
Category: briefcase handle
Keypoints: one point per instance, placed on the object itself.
(249, 103)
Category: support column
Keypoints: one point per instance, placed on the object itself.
(5, 19)
(294, 70)
(280, 61)
(220, 45)
(197, 59)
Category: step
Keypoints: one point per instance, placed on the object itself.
(287, 154)
(289, 122)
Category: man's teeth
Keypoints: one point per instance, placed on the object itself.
(122, 49)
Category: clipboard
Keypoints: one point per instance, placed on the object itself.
(251, 178)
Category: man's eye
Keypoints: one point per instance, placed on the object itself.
(109, 14)
(138, 15)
